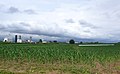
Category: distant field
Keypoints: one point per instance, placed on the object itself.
(59, 59)
(96, 44)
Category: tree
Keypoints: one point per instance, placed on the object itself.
(55, 41)
(72, 41)
(81, 42)
(40, 40)
(50, 41)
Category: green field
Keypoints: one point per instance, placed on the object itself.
(59, 59)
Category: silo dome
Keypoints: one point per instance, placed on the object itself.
(5, 40)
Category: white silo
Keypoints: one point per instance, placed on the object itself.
(19, 40)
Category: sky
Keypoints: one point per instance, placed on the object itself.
(95, 20)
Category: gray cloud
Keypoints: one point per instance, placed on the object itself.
(69, 21)
(15, 28)
(87, 31)
(2, 27)
(24, 24)
(30, 11)
(25, 28)
(54, 30)
(86, 24)
(116, 13)
(13, 10)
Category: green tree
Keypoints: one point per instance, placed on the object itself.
(81, 42)
(72, 41)
(40, 40)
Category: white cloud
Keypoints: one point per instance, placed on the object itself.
(90, 19)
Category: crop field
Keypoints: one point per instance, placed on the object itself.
(59, 59)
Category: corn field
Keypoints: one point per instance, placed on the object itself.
(59, 53)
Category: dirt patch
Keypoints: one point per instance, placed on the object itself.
(24, 67)
(108, 68)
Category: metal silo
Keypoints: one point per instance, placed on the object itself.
(15, 38)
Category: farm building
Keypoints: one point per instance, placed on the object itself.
(5, 40)
(18, 40)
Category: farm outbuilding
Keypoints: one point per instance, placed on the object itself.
(5, 40)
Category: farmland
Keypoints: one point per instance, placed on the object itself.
(59, 59)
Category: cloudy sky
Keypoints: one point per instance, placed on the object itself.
(97, 20)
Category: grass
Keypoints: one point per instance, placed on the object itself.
(59, 59)
(4, 72)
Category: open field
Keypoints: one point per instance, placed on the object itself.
(59, 59)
